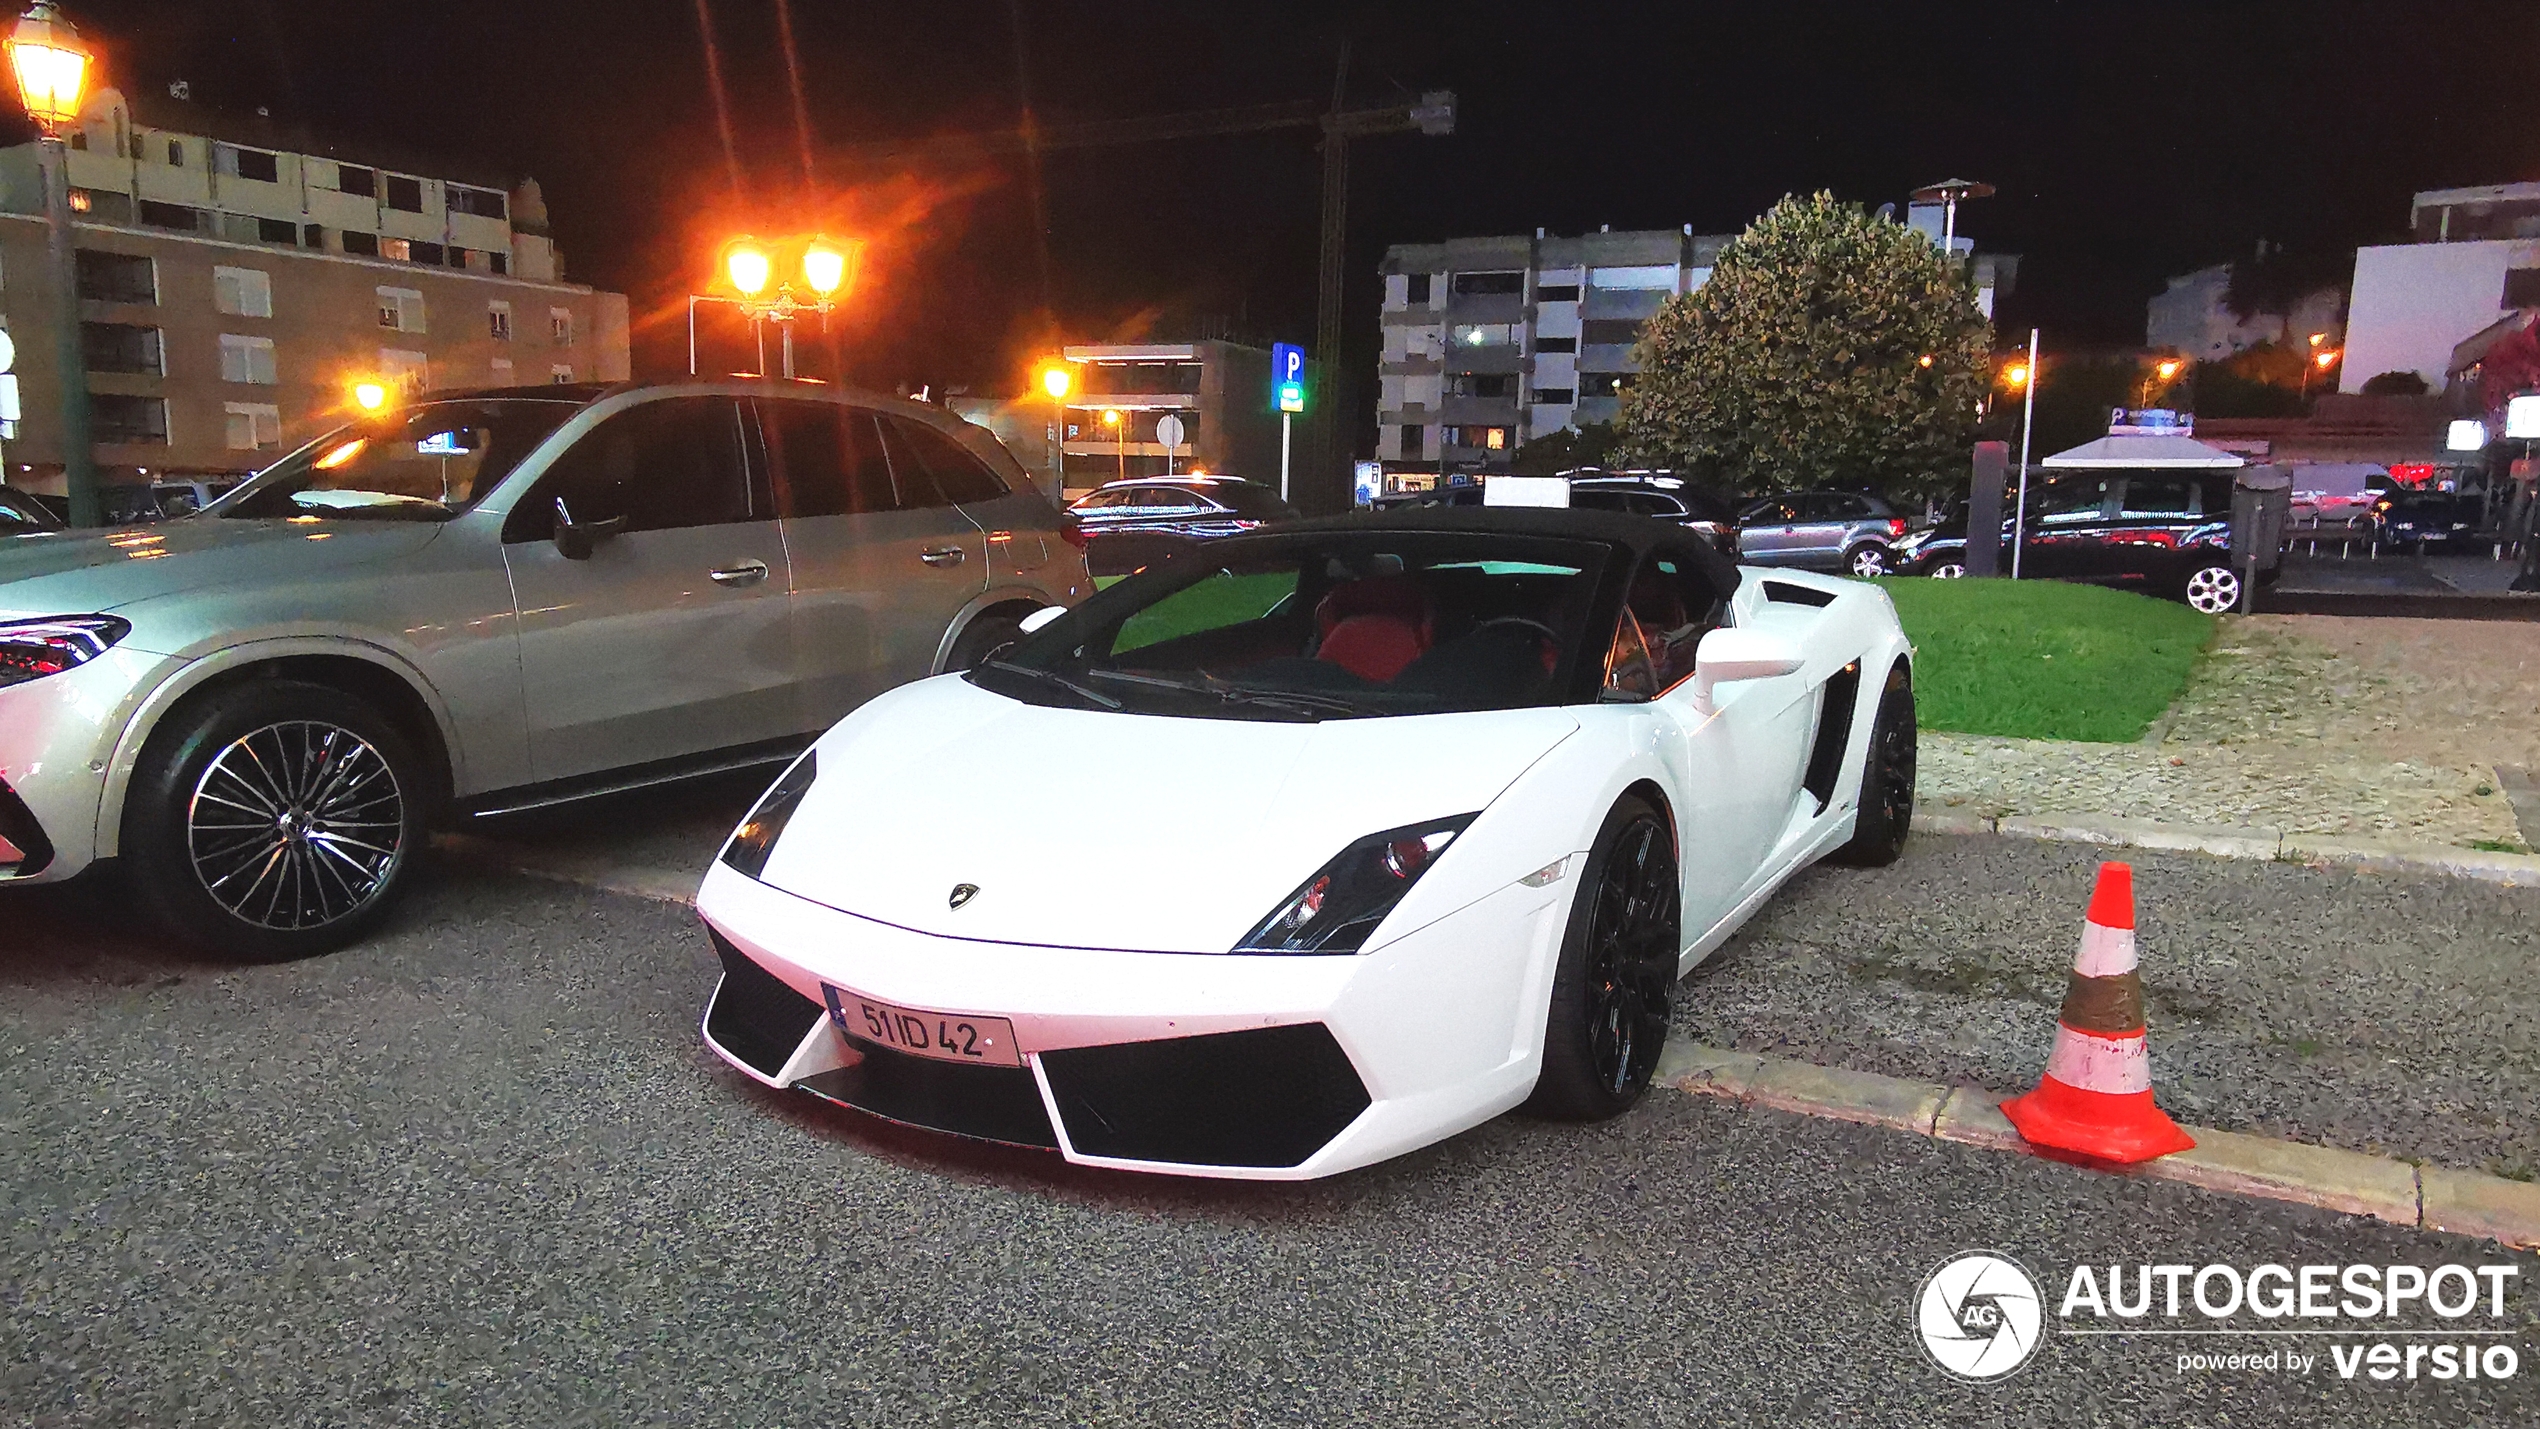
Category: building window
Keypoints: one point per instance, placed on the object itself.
(1474, 384)
(246, 359)
(123, 419)
(397, 248)
(1557, 293)
(2522, 288)
(171, 215)
(363, 182)
(79, 140)
(401, 309)
(366, 244)
(498, 321)
(81, 202)
(1415, 289)
(458, 257)
(253, 426)
(1492, 439)
(1555, 396)
(405, 195)
(562, 372)
(560, 326)
(243, 292)
(484, 203)
(1615, 332)
(278, 230)
(432, 253)
(502, 367)
(1556, 344)
(121, 347)
(1415, 443)
(1481, 285)
(117, 277)
(176, 153)
(247, 163)
(502, 262)
(409, 372)
(1482, 335)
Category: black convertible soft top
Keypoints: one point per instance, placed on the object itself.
(1634, 536)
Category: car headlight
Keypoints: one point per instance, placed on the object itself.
(33, 649)
(1335, 910)
(756, 838)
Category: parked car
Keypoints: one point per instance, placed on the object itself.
(1821, 530)
(21, 513)
(1136, 522)
(1478, 788)
(488, 602)
(1668, 498)
(2165, 532)
(2425, 520)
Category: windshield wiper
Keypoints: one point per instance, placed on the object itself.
(1225, 693)
(1052, 677)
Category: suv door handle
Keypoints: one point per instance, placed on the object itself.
(746, 573)
(944, 556)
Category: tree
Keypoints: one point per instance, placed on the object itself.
(2395, 384)
(1828, 346)
(1564, 450)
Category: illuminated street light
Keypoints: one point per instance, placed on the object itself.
(2168, 368)
(2326, 360)
(1923, 361)
(2317, 338)
(2015, 375)
(748, 266)
(1057, 381)
(370, 396)
(824, 267)
(51, 67)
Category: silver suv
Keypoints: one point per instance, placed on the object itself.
(487, 602)
(1821, 530)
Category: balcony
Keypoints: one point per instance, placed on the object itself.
(1628, 304)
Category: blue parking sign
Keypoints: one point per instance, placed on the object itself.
(1287, 376)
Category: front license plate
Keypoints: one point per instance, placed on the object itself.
(944, 1036)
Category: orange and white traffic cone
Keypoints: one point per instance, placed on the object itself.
(2096, 1096)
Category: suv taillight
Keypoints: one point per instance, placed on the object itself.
(1072, 531)
(1895, 528)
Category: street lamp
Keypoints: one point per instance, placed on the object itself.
(749, 266)
(1057, 379)
(1119, 436)
(370, 396)
(51, 67)
(2162, 372)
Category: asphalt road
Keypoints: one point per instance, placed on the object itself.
(481, 1171)
(2382, 1013)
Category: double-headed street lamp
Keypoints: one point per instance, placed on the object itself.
(51, 68)
(828, 269)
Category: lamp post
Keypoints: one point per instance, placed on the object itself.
(51, 68)
(1119, 437)
(827, 269)
(1057, 380)
(2028, 424)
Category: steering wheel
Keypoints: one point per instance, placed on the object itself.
(1549, 638)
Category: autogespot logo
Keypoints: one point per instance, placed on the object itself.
(1979, 1316)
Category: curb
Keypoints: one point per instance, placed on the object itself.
(661, 885)
(2257, 842)
(2429, 1197)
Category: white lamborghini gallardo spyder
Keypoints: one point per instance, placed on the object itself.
(1377, 827)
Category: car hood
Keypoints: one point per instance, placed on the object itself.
(1102, 830)
(86, 572)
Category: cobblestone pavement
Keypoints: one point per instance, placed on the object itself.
(2301, 724)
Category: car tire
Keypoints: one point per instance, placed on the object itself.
(1947, 571)
(981, 639)
(1887, 779)
(2213, 589)
(1608, 1017)
(1869, 561)
(311, 796)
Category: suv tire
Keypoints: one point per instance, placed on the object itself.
(1869, 560)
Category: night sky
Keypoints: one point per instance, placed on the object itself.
(2129, 142)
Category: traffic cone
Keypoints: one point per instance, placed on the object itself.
(2096, 1096)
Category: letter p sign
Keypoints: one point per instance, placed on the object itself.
(1287, 376)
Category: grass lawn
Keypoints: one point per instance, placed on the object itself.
(2044, 660)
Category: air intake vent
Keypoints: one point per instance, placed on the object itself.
(1788, 594)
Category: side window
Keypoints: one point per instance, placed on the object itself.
(2160, 496)
(2070, 500)
(1103, 501)
(1673, 606)
(1629, 669)
(827, 458)
(661, 466)
(933, 470)
(1593, 500)
(1772, 513)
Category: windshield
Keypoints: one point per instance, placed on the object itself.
(423, 463)
(1331, 626)
(20, 512)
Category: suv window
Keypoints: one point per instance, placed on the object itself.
(933, 470)
(662, 466)
(828, 459)
(1822, 506)
(1102, 500)
(1771, 513)
(1652, 503)
(2070, 500)
(2160, 496)
(1258, 502)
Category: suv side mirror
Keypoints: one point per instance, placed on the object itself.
(1735, 654)
(576, 540)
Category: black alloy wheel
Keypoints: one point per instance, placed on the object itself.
(1887, 779)
(275, 819)
(1608, 1019)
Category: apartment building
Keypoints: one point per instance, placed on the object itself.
(1492, 342)
(236, 279)
(2474, 258)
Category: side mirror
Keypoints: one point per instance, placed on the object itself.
(576, 540)
(1734, 654)
(1041, 618)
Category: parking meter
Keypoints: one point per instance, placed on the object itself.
(2261, 505)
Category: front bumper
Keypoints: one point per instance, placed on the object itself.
(58, 737)
(1253, 1067)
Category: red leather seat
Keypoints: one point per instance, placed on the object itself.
(1373, 627)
